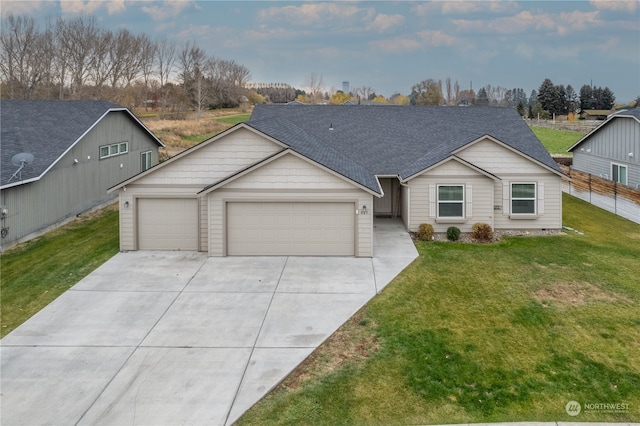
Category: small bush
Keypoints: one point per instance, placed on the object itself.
(425, 232)
(482, 232)
(453, 233)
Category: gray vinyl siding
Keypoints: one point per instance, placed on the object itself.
(611, 144)
(70, 188)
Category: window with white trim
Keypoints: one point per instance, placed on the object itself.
(114, 149)
(523, 198)
(451, 201)
(619, 173)
(145, 161)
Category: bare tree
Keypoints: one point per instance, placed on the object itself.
(21, 54)
(165, 59)
(315, 84)
(78, 37)
(449, 91)
(147, 54)
(193, 62)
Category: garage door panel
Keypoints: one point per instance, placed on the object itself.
(167, 224)
(280, 229)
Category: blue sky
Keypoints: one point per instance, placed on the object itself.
(391, 45)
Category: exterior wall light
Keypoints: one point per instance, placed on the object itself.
(364, 210)
(631, 155)
(126, 204)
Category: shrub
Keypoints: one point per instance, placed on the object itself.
(425, 232)
(453, 233)
(482, 232)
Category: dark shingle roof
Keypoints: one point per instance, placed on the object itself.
(391, 140)
(635, 112)
(44, 128)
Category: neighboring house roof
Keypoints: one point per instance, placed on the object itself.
(363, 141)
(48, 129)
(633, 113)
(597, 112)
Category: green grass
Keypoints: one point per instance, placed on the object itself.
(506, 332)
(557, 141)
(234, 119)
(37, 272)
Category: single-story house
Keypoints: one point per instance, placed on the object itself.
(309, 180)
(612, 150)
(59, 157)
(595, 114)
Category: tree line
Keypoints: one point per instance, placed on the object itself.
(77, 59)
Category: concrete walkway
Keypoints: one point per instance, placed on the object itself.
(168, 338)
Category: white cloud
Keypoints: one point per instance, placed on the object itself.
(166, 10)
(461, 7)
(323, 14)
(80, 6)
(383, 23)
(20, 7)
(525, 21)
(436, 38)
(628, 5)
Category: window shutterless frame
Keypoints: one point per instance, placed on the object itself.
(619, 173)
(523, 198)
(114, 149)
(145, 161)
(450, 201)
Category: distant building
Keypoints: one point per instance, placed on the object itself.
(345, 87)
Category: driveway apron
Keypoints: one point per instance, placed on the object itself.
(170, 338)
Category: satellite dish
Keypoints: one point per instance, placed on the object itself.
(20, 160)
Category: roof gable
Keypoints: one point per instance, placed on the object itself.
(633, 113)
(195, 151)
(459, 161)
(279, 157)
(48, 129)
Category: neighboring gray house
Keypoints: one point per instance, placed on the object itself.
(58, 158)
(309, 180)
(612, 150)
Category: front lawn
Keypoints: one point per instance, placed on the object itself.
(37, 272)
(506, 332)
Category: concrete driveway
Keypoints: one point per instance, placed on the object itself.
(168, 338)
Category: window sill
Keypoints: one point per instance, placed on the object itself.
(451, 220)
(523, 216)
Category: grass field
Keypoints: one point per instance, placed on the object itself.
(510, 331)
(37, 272)
(557, 141)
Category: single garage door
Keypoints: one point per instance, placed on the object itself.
(297, 229)
(167, 224)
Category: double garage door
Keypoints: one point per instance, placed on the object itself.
(297, 229)
(252, 228)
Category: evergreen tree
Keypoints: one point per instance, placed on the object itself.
(482, 99)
